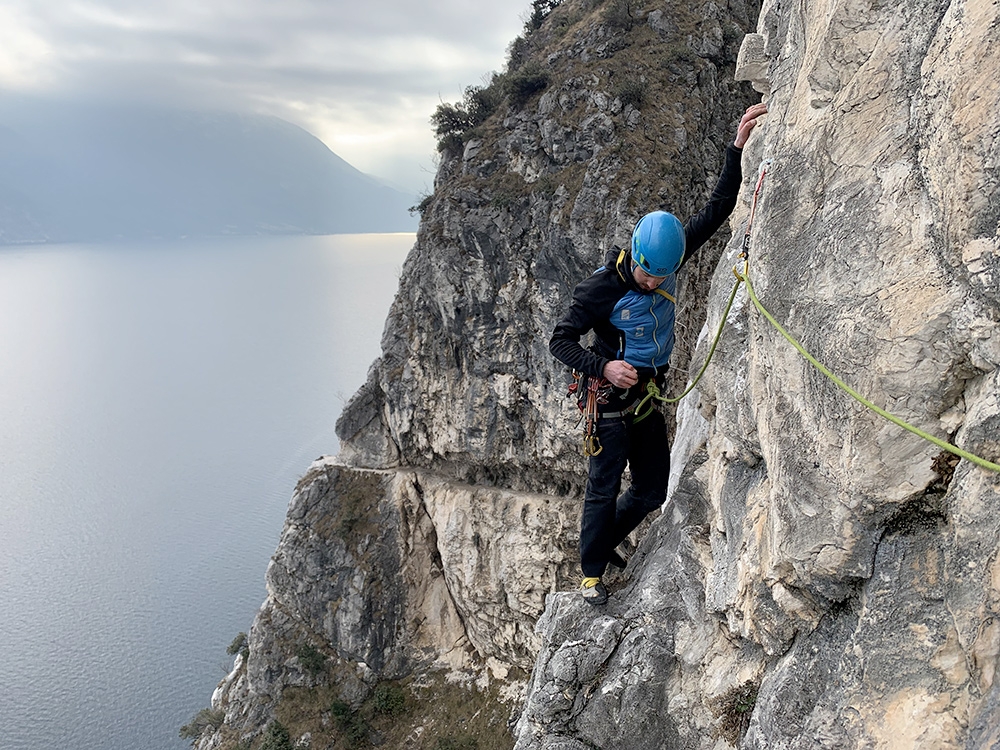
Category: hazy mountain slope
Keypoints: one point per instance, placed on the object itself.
(71, 172)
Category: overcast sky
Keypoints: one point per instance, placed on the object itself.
(362, 75)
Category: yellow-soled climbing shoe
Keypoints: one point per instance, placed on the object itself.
(593, 591)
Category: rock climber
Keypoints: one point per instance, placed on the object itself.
(629, 305)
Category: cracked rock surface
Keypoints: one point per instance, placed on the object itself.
(847, 569)
(820, 578)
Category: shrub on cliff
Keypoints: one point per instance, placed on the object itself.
(389, 700)
(526, 83)
(205, 719)
(311, 659)
(352, 724)
(239, 646)
(452, 122)
(540, 10)
(631, 92)
(277, 737)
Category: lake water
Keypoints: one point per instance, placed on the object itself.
(158, 403)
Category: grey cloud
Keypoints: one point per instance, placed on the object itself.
(254, 35)
(292, 50)
(295, 59)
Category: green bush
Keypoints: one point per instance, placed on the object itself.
(352, 724)
(450, 118)
(483, 101)
(735, 708)
(424, 204)
(207, 718)
(504, 199)
(526, 83)
(540, 10)
(451, 143)
(276, 737)
(311, 659)
(452, 122)
(517, 53)
(389, 699)
(631, 92)
(240, 645)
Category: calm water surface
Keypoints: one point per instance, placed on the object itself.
(157, 405)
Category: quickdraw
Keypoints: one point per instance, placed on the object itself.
(745, 252)
(590, 393)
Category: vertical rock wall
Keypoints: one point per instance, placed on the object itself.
(434, 539)
(822, 578)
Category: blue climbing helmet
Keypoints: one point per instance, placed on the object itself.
(658, 243)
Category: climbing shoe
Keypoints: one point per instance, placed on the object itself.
(617, 560)
(593, 591)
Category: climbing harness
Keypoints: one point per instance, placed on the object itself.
(590, 393)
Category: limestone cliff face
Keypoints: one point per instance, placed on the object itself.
(819, 577)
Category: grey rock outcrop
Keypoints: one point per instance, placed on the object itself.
(820, 578)
(450, 516)
(840, 575)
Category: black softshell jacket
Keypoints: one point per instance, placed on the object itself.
(594, 298)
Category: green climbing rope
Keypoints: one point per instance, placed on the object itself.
(979, 461)
(653, 392)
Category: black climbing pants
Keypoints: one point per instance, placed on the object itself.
(608, 518)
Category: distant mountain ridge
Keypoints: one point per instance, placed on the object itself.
(88, 172)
